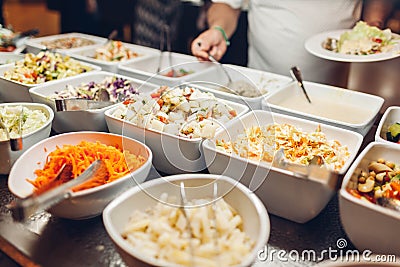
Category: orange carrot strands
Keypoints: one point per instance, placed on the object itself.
(118, 163)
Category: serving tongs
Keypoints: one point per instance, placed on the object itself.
(22, 209)
(184, 203)
(165, 35)
(316, 170)
(16, 144)
(77, 104)
(296, 75)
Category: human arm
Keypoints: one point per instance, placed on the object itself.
(212, 40)
(377, 11)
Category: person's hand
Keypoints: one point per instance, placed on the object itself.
(210, 42)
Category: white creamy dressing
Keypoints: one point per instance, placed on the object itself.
(324, 107)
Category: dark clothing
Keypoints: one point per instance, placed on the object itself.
(74, 16)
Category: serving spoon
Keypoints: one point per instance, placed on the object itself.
(236, 86)
(296, 75)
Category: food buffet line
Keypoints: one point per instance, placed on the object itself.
(90, 128)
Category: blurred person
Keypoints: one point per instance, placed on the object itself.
(115, 15)
(151, 18)
(278, 30)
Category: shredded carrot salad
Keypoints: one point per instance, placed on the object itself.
(79, 157)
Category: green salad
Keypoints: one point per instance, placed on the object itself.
(365, 40)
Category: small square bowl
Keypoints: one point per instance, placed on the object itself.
(14, 91)
(331, 105)
(391, 116)
(368, 225)
(175, 154)
(285, 193)
(197, 186)
(146, 68)
(8, 157)
(87, 54)
(34, 45)
(89, 202)
(266, 83)
(82, 120)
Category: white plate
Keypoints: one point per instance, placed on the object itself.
(314, 46)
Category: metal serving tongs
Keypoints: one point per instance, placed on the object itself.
(296, 75)
(76, 104)
(214, 218)
(22, 209)
(182, 208)
(316, 171)
(165, 35)
(16, 144)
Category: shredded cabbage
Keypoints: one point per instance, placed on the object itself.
(32, 120)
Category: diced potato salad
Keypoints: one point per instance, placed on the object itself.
(213, 237)
(186, 112)
(43, 67)
(32, 119)
(261, 142)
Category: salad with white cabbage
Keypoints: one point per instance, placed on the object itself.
(186, 112)
(365, 40)
(260, 143)
(32, 119)
(118, 88)
(43, 67)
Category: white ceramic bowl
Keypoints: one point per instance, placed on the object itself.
(87, 120)
(34, 45)
(266, 82)
(9, 57)
(175, 154)
(14, 91)
(146, 68)
(282, 191)
(255, 218)
(335, 106)
(87, 54)
(370, 226)
(87, 203)
(391, 116)
(7, 156)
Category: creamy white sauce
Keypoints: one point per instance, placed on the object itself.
(324, 107)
